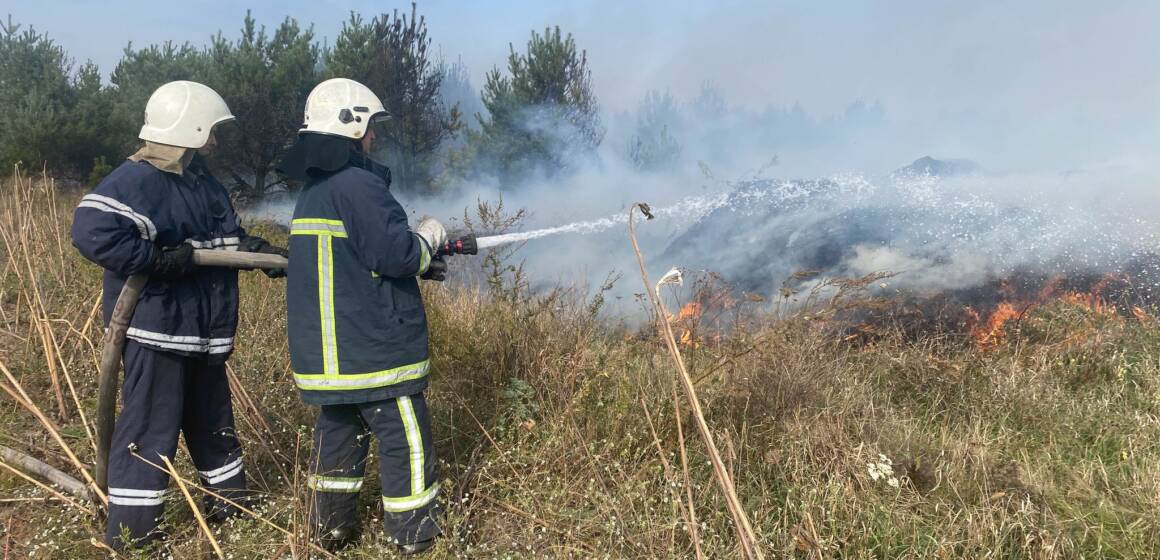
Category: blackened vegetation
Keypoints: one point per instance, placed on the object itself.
(877, 263)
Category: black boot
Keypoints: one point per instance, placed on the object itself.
(218, 511)
(415, 549)
(338, 538)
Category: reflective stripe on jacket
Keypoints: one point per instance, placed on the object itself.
(138, 209)
(358, 331)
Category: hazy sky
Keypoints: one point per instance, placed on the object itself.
(1029, 72)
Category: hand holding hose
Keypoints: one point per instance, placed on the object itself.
(255, 244)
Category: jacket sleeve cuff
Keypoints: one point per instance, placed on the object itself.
(424, 255)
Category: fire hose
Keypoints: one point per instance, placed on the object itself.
(113, 343)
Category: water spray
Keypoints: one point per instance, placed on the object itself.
(691, 207)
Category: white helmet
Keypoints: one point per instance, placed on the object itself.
(183, 114)
(341, 107)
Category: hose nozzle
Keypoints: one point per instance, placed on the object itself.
(465, 245)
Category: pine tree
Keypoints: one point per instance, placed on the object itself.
(543, 115)
(391, 55)
(265, 79)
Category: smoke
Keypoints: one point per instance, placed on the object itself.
(939, 224)
(936, 233)
(772, 133)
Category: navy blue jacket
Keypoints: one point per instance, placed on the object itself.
(135, 211)
(358, 331)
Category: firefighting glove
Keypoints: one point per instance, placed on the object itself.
(255, 244)
(432, 232)
(170, 263)
(436, 271)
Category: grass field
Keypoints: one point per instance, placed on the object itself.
(558, 438)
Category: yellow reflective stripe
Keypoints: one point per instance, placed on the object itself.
(319, 232)
(317, 226)
(424, 255)
(414, 442)
(342, 484)
(326, 305)
(408, 503)
(322, 221)
(348, 382)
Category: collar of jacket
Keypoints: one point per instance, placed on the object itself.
(360, 160)
(170, 159)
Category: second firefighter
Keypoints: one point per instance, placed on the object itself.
(357, 327)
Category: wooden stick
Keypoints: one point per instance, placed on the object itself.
(111, 348)
(745, 534)
(35, 466)
(25, 401)
(193, 506)
(44, 487)
(238, 259)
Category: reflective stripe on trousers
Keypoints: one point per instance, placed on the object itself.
(407, 468)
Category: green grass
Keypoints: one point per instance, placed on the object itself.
(1043, 447)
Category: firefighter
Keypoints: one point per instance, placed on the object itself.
(358, 331)
(147, 217)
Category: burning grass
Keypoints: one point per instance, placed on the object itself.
(910, 439)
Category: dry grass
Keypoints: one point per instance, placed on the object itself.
(1043, 447)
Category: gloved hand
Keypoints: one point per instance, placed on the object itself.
(255, 244)
(170, 263)
(432, 232)
(436, 271)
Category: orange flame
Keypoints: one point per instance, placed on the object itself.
(689, 316)
(1141, 315)
(691, 310)
(1090, 301)
(991, 332)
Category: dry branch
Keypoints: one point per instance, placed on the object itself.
(17, 393)
(745, 534)
(193, 506)
(35, 466)
(43, 486)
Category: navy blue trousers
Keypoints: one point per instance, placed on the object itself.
(407, 467)
(164, 394)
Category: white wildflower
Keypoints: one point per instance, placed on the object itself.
(673, 276)
(883, 470)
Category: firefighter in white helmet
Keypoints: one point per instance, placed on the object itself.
(358, 331)
(147, 217)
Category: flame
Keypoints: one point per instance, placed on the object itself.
(691, 310)
(991, 332)
(1140, 314)
(689, 316)
(1090, 301)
